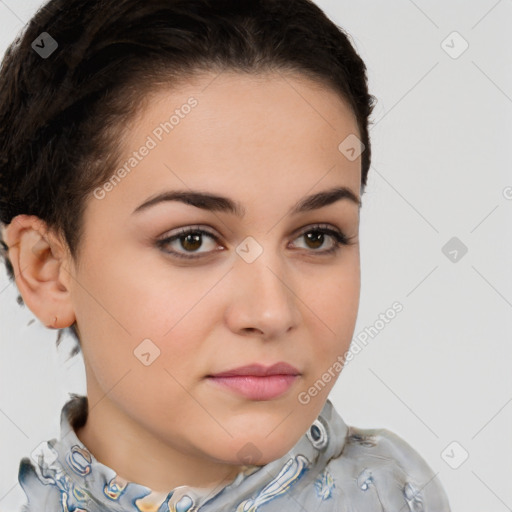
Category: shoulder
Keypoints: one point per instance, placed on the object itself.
(379, 463)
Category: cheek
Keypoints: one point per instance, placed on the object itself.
(142, 298)
(133, 317)
(333, 296)
(173, 308)
(332, 312)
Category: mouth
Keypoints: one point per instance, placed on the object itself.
(259, 370)
(257, 388)
(257, 382)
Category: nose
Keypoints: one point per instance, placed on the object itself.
(263, 300)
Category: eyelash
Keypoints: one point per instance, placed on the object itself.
(340, 239)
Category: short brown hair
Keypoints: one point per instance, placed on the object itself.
(60, 116)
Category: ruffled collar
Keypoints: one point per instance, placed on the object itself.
(85, 484)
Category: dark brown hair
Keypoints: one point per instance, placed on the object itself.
(62, 115)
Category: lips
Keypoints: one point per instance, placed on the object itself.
(258, 370)
(257, 382)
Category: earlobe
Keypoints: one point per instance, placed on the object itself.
(39, 261)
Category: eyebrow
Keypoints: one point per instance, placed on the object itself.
(218, 203)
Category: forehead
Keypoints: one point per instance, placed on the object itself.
(270, 135)
(271, 102)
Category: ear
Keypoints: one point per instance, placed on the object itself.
(41, 264)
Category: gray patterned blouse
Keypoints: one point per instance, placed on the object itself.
(332, 468)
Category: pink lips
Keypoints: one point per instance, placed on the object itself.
(258, 382)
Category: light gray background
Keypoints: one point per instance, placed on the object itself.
(439, 372)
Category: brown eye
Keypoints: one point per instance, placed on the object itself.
(191, 242)
(316, 237)
(188, 240)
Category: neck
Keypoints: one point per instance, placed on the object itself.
(139, 456)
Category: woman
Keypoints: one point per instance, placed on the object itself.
(181, 184)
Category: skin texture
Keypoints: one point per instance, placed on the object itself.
(266, 141)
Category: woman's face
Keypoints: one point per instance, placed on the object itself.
(262, 285)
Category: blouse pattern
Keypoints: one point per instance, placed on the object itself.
(332, 468)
